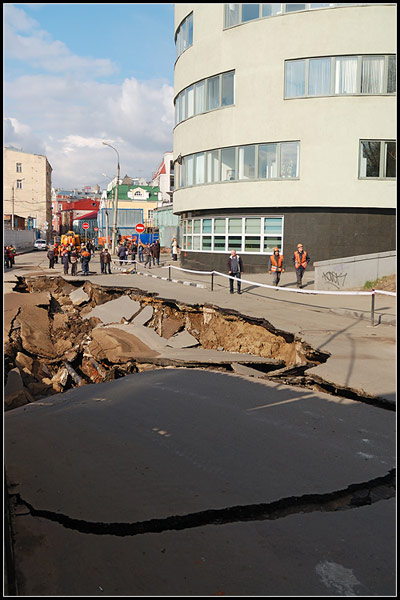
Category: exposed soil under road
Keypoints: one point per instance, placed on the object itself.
(53, 343)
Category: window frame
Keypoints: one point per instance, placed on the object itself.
(382, 160)
(359, 76)
(189, 235)
(183, 171)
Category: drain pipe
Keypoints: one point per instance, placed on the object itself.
(212, 281)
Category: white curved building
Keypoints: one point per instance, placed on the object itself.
(285, 130)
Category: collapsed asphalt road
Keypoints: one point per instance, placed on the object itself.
(181, 481)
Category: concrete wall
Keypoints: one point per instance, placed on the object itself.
(21, 240)
(353, 271)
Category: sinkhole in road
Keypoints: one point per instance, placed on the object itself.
(65, 334)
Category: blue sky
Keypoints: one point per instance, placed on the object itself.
(78, 74)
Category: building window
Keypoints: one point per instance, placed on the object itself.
(278, 160)
(184, 35)
(19, 184)
(255, 235)
(340, 75)
(235, 14)
(150, 214)
(206, 95)
(19, 167)
(377, 159)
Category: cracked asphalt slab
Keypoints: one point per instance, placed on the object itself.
(188, 482)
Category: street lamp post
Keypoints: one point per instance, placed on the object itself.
(13, 202)
(114, 231)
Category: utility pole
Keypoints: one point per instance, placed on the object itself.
(114, 231)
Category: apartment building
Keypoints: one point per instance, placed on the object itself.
(284, 130)
(27, 188)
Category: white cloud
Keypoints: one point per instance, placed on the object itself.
(66, 115)
(24, 41)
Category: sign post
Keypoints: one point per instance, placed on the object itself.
(139, 228)
(85, 226)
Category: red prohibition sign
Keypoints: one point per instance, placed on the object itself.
(85, 225)
(140, 227)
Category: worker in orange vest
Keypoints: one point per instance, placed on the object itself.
(276, 265)
(300, 260)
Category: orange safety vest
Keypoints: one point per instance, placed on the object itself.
(276, 266)
(303, 262)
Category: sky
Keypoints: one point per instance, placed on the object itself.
(76, 75)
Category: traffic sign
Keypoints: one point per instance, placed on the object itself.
(140, 228)
(96, 228)
(85, 225)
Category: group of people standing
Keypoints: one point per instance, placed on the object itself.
(9, 256)
(276, 266)
(70, 255)
(147, 253)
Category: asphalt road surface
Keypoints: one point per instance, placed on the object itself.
(195, 483)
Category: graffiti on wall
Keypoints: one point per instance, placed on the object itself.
(335, 279)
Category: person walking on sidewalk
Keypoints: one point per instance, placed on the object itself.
(300, 260)
(73, 257)
(85, 259)
(105, 261)
(174, 249)
(121, 253)
(276, 265)
(235, 268)
(51, 257)
(147, 255)
(65, 260)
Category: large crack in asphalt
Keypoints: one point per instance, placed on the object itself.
(214, 327)
(354, 496)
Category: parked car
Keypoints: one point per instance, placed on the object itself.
(40, 245)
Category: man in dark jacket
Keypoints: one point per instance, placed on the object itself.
(122, 253)
(105, 261)
(51, 257)
(235, 268)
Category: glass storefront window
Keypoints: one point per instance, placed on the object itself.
(252, 243)
(272, 242)
(219, 225)
(253, 225)
(219, 242)
(189, 226)
(206, 242)
(189, 242)
(196, 242)
(207, 225)
(234, 242)
(235, 226)
(196, 225)
(272, 225)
